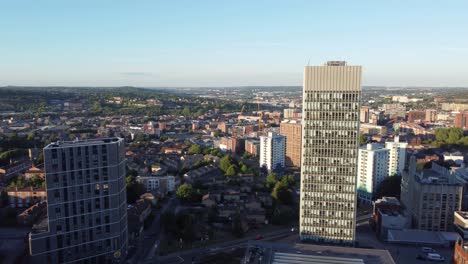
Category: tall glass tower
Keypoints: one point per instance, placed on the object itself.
(330, 143)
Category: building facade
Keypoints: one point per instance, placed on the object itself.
(292, 130)
(163, 184)
(431, 196)
(364, 114)
(461, 120)
(86, 203)
(431, 115)
(397, 156)
(25, 197)
(272, 151)
(372, 170)
(330, 143)
(252, 146)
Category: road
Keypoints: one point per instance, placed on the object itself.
(189, 255)
(148, 241)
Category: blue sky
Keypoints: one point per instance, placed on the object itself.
(230, 43)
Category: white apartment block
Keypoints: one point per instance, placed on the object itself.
(272, 151)
(372, 170)
(397, 157)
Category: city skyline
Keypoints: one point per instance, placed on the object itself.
(187, 44)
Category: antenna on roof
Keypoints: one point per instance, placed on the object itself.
(308, 62)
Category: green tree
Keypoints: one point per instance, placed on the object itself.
(390, 186)
(246, 155)
(37, 181)
(237, 229)
(186, 112)
(185, 227)
(225, 163)
(186, 193)
(231, 171)
(454, 135)
(244, 168)
(271, 180)
(195, 149)
(441, 134)
(168, 222)
(362, 139)
(282, 193)
(288, 180)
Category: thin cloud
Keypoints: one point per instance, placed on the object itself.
(137, 73)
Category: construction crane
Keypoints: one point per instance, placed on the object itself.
(241, 112)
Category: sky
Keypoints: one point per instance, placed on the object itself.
(194, 43)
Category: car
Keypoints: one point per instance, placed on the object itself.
(427, 250)
(293, 229)
(259, 237)
(435, 257)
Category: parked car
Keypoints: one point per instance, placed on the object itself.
(435, 257)
(428, 250)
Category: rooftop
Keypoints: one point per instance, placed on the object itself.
(463, 214)
(99, 141)
(282, 253)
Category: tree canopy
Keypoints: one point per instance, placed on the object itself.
(390, 186)
(271, 180)
(187, 194)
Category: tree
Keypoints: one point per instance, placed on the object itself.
(168, 222)
(271, 180)
(244, 168)
(225, 163)
(195, 149)
(237, 229)
(282, 193)
(134, 191)
(231, 171)
(288, 180)
(186, 112)
(187, 194)
(362, 139)
(390, 186)
(185, 230)
(246, 155)
(454, 135)
(37, 181)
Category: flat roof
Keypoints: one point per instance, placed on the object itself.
(87, 142)
(463, 214)
(283, 253)
(421, 237)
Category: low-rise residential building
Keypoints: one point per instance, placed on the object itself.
(460, 255)
(13, 169)
(29, 174)
(162, 184)
(387, 215)
(26, 196)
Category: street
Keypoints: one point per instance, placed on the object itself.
(147, 245)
